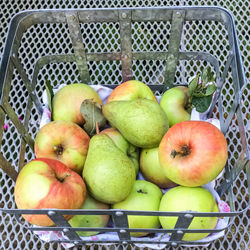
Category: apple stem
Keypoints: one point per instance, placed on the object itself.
(97, 128)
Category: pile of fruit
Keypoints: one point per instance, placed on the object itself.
(90, 154)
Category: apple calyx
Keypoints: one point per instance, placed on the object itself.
(141, 191)
(185, 151)
(200, 91)
(62, 178)
(58, 150)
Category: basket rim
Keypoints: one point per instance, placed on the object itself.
(20, 16)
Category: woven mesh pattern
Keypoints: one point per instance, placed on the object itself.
(46, 39)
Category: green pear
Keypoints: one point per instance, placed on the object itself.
(90, 220)
(108, 172)
(131, 151)
(142, 122)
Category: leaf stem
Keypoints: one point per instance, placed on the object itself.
(97, 128)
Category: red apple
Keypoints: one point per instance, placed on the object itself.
(47, 183)
(193, 153)
(63, 141)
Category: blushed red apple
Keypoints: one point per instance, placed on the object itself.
(193, 153)
(47, 183)
(131, 90)
(63, 141)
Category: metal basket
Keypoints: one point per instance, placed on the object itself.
(109, 46)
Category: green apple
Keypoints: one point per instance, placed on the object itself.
(174, 102)
(196, 199)
(151, 169)
(145, 196)
(124, 145)
(90, 220)
(67, 101)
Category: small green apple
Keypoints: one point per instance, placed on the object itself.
(196, 199)
(151, 169)
(90, 220)
(145, 196)
(174, 102)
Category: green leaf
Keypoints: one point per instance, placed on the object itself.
(204, 76)
(210, 89)
(202, 103)
(50, 94)
(92, 114)
(210, 76)
(199, 94)
(193, 85)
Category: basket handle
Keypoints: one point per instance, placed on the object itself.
(173, 47)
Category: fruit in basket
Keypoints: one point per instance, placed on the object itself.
(142, 122)
(64, 141)
(174, 102)
(47, 183)
(151, 169)
(67, 101)
(193, 153)
(129, 149)
(108, 171)
(190, 199)
(145, 196)
(90, 220)
(131, 90)
(179, 101)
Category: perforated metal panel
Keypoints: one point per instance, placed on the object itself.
(207, 36)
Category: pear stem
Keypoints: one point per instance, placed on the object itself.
(97, 128)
